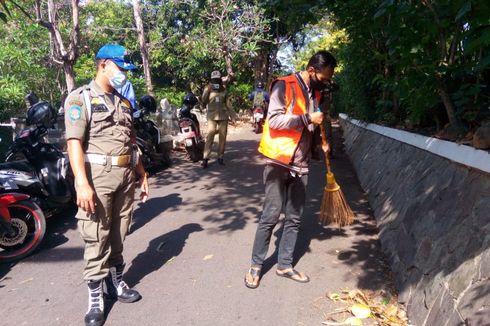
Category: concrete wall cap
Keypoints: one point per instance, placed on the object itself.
(462, 154)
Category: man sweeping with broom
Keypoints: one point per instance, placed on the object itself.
(286, 145)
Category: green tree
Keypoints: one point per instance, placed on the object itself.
(426, 61)
(25, 65)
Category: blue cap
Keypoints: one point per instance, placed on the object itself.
(117, 54)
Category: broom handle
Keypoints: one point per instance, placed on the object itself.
(325, 144)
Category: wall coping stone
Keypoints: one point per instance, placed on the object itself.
(463, 154)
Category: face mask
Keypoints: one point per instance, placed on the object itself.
(118, 80)
(316, 84)
(215, 83)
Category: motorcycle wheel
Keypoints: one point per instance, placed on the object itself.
(29, 225)
(193, 152)
(256, 127)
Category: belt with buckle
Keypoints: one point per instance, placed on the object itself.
(121, 160)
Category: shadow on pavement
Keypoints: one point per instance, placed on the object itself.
(152, 208)
(54, 237)
(365, 250)
(4, 270)
(159, 251)
(239, 181)
(57, 226)
(234, 196)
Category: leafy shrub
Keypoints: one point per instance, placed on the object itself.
(239, 96)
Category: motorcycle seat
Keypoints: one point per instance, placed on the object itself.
(23, 166)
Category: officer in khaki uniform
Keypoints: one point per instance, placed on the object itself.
(100, 139)
(219, 112)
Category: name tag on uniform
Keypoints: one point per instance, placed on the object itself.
(216, 99)
(100, 108)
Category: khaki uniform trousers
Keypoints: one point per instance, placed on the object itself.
(104, 236)
(216, 126)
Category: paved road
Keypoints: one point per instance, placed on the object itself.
(190, 247)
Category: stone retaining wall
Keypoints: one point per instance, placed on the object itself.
(434, 220)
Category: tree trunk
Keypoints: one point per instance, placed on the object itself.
(142, 44)
(228, 61)
(261, 72)
(385, 94)
(448, 103)
(69, 75)
(59, 53)
(271, 64)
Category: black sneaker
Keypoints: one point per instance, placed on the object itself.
(221, 162)
(204, 163)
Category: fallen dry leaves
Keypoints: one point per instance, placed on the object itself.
(364, 309)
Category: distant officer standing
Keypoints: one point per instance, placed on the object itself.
(100, 138)
(219, 112)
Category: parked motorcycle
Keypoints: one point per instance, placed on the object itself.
(35, 184)
(22, 223)
(148, 138)
(37, 168)
(258, 119)
(190, 131)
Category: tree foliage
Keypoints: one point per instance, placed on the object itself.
(422, 63)
(426, 62)
(25, 65)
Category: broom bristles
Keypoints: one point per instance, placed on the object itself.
(335, 208)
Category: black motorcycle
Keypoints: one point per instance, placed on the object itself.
(190, 131)
(148, 136)
(37, 168)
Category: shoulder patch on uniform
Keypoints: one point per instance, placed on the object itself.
(75, 102)
(75, 112)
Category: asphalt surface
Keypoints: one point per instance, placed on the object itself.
(190, 246)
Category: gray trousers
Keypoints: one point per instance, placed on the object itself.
(282, 191)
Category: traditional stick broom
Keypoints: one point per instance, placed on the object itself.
(335, 208)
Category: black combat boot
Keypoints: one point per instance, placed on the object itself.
(117, 288)
(204, 163)
(95, 313)
(221, 162)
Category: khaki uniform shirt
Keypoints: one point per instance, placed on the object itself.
(218, 104)
(110, 128)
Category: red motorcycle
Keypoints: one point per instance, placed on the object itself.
(22, 224)
(258, 119)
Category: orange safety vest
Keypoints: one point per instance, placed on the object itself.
(280, 145)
